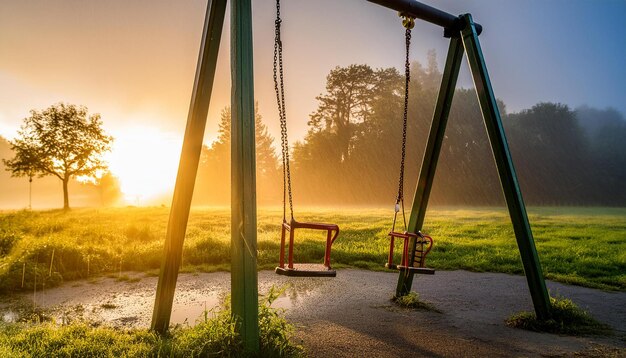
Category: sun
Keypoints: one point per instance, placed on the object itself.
(145, 160)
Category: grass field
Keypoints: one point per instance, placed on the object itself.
(582, 246)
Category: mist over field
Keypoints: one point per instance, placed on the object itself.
(350, 155)
(561, 91)
(333, 101)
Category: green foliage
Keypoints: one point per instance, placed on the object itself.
(77, 340)
(7, 239)
(216, 336)
(275, 331)
(62, 141)
(412, 300)
(566, 318)
(578, 246)
(351, 152)
(211, 336)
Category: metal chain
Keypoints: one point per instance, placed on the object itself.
(408, 23)
(279, 88)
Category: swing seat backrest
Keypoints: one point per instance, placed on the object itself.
(332, 231)
(423, 245)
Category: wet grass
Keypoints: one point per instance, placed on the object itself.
(581, 246)
(566, 318)
(214, 335)
(412, 301)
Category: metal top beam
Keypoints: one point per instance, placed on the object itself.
(452, 24)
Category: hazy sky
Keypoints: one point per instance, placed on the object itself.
(134, 61)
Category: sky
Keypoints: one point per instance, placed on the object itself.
(134, 61)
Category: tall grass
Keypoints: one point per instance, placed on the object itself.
(576, 245)
(212, 337)
(566, 318)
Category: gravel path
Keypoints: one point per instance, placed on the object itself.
(351, 315)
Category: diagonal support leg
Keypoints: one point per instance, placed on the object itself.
(506, 171)
(431, 154)
(188, 166)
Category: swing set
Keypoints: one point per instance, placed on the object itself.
(423, 243)
(462, 33)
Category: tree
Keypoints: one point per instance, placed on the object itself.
(214, 167)
(345, 104)
(606, 130)
(109, 189)
(370, 170)
(62, 141)
(550, 151)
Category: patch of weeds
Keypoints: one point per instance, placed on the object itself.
(28, 314)
(76, 340)
(566, 318)
(108, 306)
(413, 301)
(275, 331)
(213, 336)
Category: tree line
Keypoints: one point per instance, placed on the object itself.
(351, 153)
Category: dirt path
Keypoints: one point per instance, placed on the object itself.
(351, 315)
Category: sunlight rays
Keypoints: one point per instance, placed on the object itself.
(145, 160)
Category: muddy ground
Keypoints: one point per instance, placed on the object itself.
(352, 316)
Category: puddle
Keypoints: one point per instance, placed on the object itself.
(284, 302)
(129, 305)
(131, 311)
(192, 312)
(10, 316)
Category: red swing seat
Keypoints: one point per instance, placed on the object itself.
(423, 245)
(306, 270)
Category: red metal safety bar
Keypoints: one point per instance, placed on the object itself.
(332, 231)
(423, 245)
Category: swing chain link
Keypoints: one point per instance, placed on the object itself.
(408, 23)
(407, 76)
(279, 88)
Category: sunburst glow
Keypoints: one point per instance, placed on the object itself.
(145, 160)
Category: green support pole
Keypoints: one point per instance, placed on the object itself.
(244, 290)
(188, 165)
(506, 171)
(431, 154)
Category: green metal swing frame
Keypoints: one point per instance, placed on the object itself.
(463, 34)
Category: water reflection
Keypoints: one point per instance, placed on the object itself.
(130, 306)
